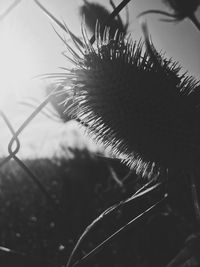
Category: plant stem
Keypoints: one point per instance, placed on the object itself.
(107, 241)
(112, 15)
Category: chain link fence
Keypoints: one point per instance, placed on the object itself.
(14, 147)
(14, 144)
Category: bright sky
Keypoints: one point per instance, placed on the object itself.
(30, 47)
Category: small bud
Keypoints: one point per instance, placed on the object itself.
(182, 8)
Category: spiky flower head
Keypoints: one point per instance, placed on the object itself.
(136, 103)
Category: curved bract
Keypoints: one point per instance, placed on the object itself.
(136, 103)
(182, 8)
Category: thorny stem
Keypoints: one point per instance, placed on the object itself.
(195, 197)
(195, 21)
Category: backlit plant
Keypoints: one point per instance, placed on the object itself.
(135, 101)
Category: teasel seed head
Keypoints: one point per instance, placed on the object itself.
(135, 103)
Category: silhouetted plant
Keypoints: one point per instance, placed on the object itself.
(93, 12)
(135, 101)
(181, 9)
(141, 107)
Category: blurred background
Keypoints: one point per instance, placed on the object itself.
(30, 47)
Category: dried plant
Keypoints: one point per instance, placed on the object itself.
(137, 104)
(134, 100)
(181, 9)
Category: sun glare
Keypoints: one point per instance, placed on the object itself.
(16, 65)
